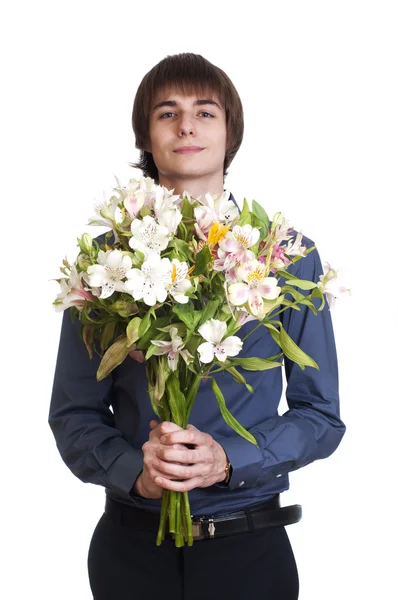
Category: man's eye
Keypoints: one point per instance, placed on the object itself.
(206, 114)
(166, 115)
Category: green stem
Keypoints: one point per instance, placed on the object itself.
(188, 519)
(172, 512)
(190, 399)
(163, 517)
(179, 539)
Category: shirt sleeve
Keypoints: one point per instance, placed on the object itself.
(82, 422)
(311, 429)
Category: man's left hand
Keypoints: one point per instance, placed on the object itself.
(200, 467)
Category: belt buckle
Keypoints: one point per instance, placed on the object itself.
(198, 528)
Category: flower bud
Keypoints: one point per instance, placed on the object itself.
(86, 243)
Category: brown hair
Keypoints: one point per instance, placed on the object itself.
(189, 74)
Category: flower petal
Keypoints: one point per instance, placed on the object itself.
(206, 352)
(232, 345)
(114, 259)
(238, 294)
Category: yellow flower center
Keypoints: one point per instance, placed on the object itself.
(216, 233)
(173, 273)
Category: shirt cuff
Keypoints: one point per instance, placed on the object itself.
(125, 470)
(246, 461)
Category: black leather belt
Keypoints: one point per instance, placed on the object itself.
(268, 514)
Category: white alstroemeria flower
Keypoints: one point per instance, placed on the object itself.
(178, 282)
(214, 209)
(254, 287)
(148, 236)
(234, 250)
(295, 248)
(169, 218)
(213, 332)
(73, 292)
(108, 273)
(225, 210)
(107, 214)
(149, 283)
(280, 228)
(331, 285)
(173, 349)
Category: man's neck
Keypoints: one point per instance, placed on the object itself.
(195, 187)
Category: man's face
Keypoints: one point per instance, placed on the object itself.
(188, 136)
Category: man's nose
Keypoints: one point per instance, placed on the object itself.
(186, 126)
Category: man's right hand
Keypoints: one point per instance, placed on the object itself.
(145, 484)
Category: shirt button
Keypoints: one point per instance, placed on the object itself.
(241, 483)
(280, 475)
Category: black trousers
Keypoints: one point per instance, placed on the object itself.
(124, 563)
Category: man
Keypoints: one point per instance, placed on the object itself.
(188, 123)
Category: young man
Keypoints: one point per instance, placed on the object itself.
(188, 123)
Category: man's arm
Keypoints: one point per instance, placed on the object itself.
(311, 429)
(81, 421)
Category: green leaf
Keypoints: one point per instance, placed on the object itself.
(203, 258)
(146, 322)
(176, 400)
(187, 315)
(228, 418)
(151, 351)
(209, 310)
(238, 377)
(316, 293)
(298, 296)
(113, 357)
(255, 364)
(290, 304)
(132, 330)
(285, 274)
(150, 375)
(303, 284)
(181, 249)
(152, 332)
(107, 334)
(88, 338)
(307, 302)
(145, 212)
(187, 209)
(293, 352)
(260, 213)
(160, 385)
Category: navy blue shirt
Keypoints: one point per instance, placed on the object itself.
(100, 427)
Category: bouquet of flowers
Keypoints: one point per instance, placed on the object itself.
(172, 282)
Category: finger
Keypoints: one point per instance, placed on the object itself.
(179, 471)
(178, 486)
(190, 426)
(153, 424)
(183, 456)
(167, 427)
(186, 436)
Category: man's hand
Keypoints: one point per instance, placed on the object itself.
(200, 467)
(145, 484)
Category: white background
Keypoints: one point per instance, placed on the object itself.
(318, 81)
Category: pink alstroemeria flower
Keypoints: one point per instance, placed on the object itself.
(234, 247)
(253, 288)
(330, 284)
(73, 292)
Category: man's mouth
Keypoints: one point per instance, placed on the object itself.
(188, 149)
